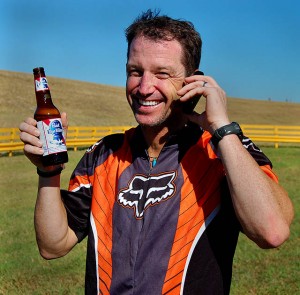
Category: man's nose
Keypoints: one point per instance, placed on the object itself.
(146, 84)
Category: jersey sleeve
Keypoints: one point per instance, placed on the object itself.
(262, 160)
(78, 209)
(77, 199)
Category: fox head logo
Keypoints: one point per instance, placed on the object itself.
(143, 192)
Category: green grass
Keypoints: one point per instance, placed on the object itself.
(275, 271)
(23, 271)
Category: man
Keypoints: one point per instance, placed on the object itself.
(162, 205)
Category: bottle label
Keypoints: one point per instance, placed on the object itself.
(52, 136)
(41, 84)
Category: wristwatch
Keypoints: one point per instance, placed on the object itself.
(232, 128)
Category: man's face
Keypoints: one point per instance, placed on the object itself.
(154, 74)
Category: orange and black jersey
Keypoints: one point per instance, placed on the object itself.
(170, 229)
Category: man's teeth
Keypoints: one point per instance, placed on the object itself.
(148, 103)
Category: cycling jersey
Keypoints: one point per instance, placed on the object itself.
(167, 229)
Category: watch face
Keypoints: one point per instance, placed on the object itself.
(232, 128)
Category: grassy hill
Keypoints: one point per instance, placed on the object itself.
(91, 104)
(23, 271)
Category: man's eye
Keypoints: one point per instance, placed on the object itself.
(162, 75)
(134, 73)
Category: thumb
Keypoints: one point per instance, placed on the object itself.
(199, 119)
(64, 120)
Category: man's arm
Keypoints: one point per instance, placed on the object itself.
(54, 237)
(261, 205)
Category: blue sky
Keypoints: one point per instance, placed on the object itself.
(251, 47)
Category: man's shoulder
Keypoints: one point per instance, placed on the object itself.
(111, 142)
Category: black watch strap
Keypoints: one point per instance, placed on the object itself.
(232, 128)
(55, 172)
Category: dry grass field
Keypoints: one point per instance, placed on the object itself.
(23, 271)
(90, 104)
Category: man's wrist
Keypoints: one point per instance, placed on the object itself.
(232, 128)
(50, 173)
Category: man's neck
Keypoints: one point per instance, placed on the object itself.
(157, 136)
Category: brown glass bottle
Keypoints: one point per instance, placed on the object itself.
(49, 122)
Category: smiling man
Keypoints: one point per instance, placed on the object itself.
(163, 204)
(154, 75)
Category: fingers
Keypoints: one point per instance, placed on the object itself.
(28, 129)
(29, 125)
(29, 135)
(32, 151)
(209, 81)
(215, 112)
(193, 87)
(201, 85)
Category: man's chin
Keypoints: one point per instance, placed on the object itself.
(149, 122)
(170, 120)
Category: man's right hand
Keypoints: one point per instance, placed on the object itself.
(29, 135)
(54, 237)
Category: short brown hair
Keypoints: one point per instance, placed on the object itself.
(155, 27)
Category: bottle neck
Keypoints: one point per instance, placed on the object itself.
(43, 98)
(42, 90)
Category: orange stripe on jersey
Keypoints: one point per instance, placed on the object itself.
(104, 196)
(200, 195)
(267, 169)
(78, 181)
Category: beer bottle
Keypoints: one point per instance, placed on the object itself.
(49, 122)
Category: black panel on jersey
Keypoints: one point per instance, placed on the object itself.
(256, 152)
(210, 268)
(78, 210)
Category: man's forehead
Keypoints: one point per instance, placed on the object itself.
(155, 56)
(147, 42)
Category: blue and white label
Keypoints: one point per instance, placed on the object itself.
(41, 84)
(52, 136)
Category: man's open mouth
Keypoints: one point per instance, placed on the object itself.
(148, 103)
